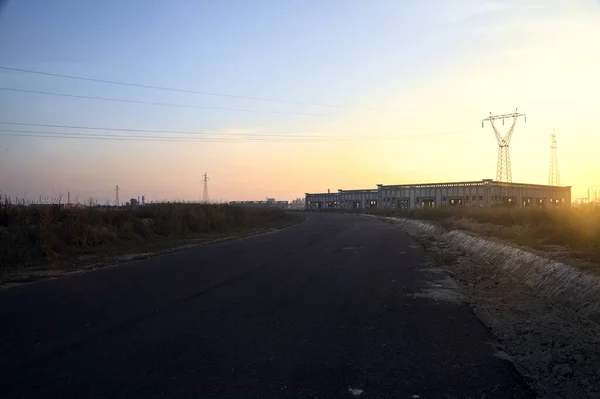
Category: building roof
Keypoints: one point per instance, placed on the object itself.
(478, 183)
(482, 182)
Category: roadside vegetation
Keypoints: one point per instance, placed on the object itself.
(576, 230)
(33, 235)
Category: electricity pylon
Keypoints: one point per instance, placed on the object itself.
(117, 195)
(205, 188)
(554, 174)
(503, 169)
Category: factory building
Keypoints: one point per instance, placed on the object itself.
(483, 193)
(271, 202)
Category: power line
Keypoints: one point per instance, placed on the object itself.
(90, 136)
(155, 131)
(207, 93)
(48, 93)
(125, 137)
(47, 136)
(265, 135)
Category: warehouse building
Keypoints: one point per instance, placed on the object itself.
(271, 202)
(483, 193)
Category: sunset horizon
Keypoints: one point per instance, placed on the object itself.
(293, 100)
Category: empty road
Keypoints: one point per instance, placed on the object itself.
(327, 308)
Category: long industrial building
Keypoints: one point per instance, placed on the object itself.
(482, 193)
(269, 202)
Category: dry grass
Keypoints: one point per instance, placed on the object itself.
(575, 229)
(33, 235)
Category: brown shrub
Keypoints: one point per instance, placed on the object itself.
(31, 234)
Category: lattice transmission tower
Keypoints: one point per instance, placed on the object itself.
(205, 188)
(117, 202)
(554, 174)
(503, 170)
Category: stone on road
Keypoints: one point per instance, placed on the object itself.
(337, 306)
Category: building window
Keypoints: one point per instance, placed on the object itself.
(481, 198)
(474, 198)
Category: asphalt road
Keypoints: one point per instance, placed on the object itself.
(326, 308)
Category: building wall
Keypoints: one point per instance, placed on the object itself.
(277, 204)
(484, 193)
(360, 199)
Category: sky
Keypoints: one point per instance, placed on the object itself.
(368, 92)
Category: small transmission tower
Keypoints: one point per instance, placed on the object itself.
(117, 202)
(205, 188)
(554, 174)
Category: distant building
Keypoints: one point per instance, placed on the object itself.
(483, 193)
(282, 204)
(269, 202)
(298, 204)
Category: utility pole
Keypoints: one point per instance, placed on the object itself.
(117, 202)
(205, 188)
(68, 198)
(554, 174)
(503, 169)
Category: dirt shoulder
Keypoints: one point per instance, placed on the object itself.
(549, 333)
(524, 238)
(114, 255)
(571, 234)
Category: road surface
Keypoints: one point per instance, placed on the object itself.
(326, 308)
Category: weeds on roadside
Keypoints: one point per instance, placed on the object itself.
(576, 229)
(34, 233)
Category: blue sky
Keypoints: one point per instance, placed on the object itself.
(417, 57)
